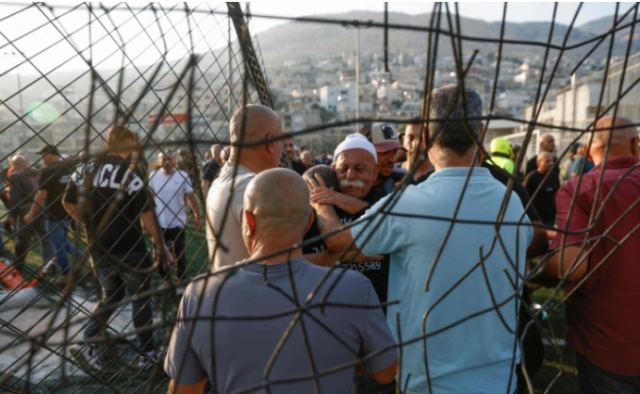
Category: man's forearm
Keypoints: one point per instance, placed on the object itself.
(350, 204)
(205, 188)
(38, 201)
(569, 262)
(151, 227)
(539, 242)
(329, 222)
(193, 204)
(177, 388)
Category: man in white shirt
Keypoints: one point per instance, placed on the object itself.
(170, 188)
(249, 125)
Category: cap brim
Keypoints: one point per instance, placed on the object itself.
(387, 146)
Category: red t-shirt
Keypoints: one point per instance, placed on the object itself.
(603, 315)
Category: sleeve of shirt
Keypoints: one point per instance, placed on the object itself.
(510, 167)
(141, 200)
(45, 179)
(76, 179)
(377, 235)
(376, 337)
(579, 217)
(208, 173)
(188, 187)
(182, 364)
(238, 199)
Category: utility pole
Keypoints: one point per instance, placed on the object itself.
(230, 73)
(357, 75)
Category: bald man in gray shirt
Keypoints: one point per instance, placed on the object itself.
(241, 328)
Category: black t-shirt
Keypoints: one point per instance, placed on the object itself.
(54, 179)
(122, 232)
(298, 167)
(210, 171)
(503, 177)
(545, 200)
(377, 271)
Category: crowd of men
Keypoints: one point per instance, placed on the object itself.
(357, 271)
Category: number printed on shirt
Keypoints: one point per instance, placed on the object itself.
(366, 266)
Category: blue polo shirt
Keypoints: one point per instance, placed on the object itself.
(468, 350)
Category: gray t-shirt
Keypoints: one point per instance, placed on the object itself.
(254, 308)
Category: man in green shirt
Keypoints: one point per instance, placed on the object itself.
(501, 154)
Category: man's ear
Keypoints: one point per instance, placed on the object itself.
(425, 135)
(312, 216)
(634, 147)
(376, 171)
(270, 145)
(251, 222)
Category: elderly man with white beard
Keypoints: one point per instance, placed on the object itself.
(355, 170)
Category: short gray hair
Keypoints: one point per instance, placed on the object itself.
(451, 133)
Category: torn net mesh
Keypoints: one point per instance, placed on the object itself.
(174, 74)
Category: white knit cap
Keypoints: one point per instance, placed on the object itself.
(356, 141)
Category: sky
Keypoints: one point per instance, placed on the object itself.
(27, 31)
(516, 11)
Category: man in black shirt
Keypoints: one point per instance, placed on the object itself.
(296, 165)
(211, 169)
(547, 144)
(545, 199)
(110, 197)
(24, 183)
(189, 164)
(47, 203)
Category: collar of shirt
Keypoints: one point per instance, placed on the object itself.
(617, 163)
(276, 268)
(459, 172)
(230, 167)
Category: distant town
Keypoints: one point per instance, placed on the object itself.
(310, 93)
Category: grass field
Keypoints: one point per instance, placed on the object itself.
(126, 381)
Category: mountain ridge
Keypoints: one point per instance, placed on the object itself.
(299, 40)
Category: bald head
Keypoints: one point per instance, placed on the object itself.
(19, 162)
(623, 135)
(215, 149)
(623, 131)
(545, 162)
(279, 201)
(547, 143)
(254, 123)
(327, 174)
(256, 120)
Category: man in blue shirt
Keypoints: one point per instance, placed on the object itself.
(457, 290)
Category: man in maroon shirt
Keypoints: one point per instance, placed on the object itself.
(602, 274)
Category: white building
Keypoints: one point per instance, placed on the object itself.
(330, 96)
(513, 102)
(576, 105)
(389, 93)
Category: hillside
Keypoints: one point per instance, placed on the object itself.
(300, 40)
